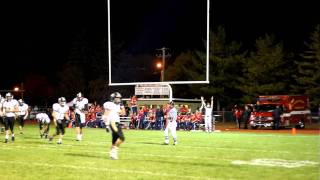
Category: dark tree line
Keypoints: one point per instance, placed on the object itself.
(239, 76)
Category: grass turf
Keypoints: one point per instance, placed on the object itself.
(225, 155)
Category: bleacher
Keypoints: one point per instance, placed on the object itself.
(125, 120)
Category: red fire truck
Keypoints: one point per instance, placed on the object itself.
(295, 110)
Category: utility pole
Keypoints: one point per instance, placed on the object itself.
(164, 55)
(22, 90)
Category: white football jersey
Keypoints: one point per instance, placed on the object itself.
(23, 109)
(172, 114)
(10, 106)
(43, 118)
(60, 110)
(114, 111)
(208, 111)
(80, 105)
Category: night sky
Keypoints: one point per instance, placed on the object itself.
(37, 36)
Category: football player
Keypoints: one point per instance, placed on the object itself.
(44, 124)
(208, 114)
(112, 111)
(22, 114)
(171, 124)
(80, 105)
(60, 116)
(10, 107)
(1, 114)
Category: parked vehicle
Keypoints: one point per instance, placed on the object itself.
(295, 111)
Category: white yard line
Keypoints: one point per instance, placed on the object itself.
(124, 152)
(107, 169)
(276, 163)
(84, 144)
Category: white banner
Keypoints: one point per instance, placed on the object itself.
(151, 90)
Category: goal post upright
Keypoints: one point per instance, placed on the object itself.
(169, 83)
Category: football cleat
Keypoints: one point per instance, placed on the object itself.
(113, 158)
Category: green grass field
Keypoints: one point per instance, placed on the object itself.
(224, 155)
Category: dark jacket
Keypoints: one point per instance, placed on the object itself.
(277, 113)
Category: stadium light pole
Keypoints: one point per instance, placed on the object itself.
(17, 89)
(163, 55)
(159, 66)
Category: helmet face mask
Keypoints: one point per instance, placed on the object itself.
(79, 96)
(9, 96)
(116, 97)
(20, 102)
(117, 100)
(62, 101)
